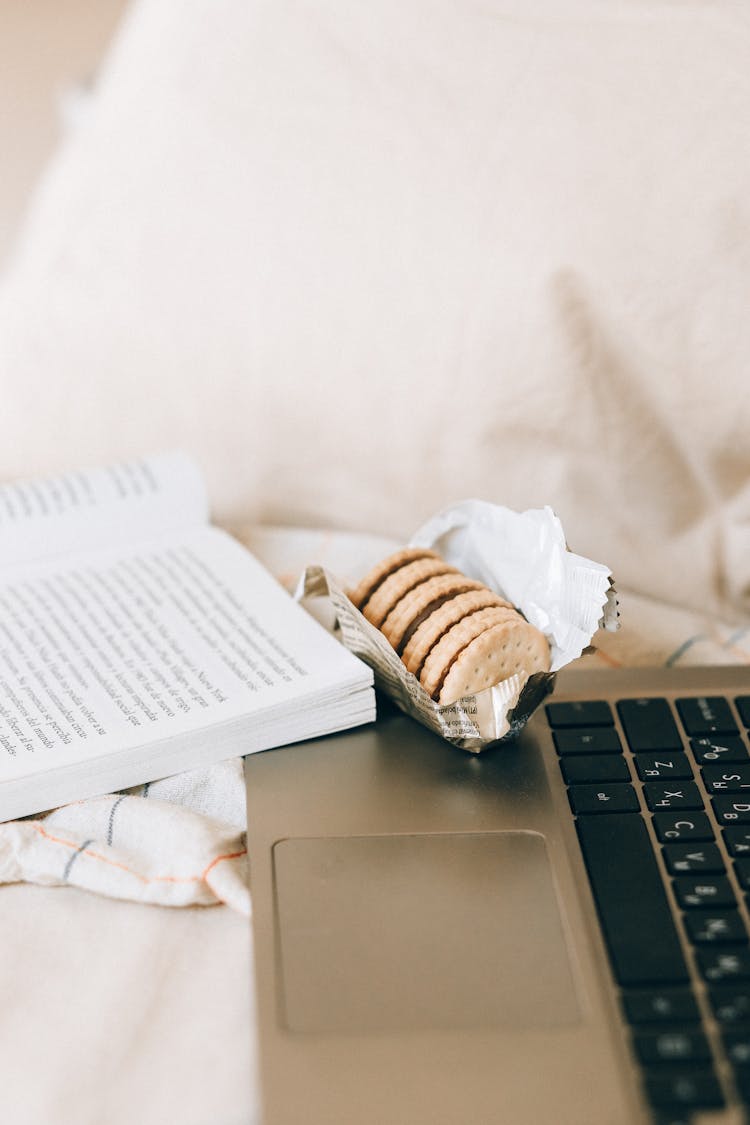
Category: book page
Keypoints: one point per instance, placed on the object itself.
(128, 647)
(89, 508)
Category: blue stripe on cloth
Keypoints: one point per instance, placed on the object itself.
(112, 812)
(74, 857)
(680, 652)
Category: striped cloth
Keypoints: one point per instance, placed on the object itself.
(176, 842)
(181, 841)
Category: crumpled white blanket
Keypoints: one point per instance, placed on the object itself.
(181, 841)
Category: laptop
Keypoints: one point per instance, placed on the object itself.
(553, 931)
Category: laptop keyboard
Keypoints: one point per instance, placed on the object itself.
(661, 794)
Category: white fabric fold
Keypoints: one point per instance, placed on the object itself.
(177, 842)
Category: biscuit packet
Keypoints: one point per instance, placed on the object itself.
(524, 559)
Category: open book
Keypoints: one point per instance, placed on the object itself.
(137, 641)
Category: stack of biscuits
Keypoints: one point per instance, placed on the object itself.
(454, 633)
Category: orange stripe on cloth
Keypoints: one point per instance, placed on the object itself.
(123, 867)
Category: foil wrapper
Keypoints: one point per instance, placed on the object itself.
(522, 556)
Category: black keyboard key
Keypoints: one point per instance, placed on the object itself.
(723, 748)
(737, 1044)
(708, 714)
(590, 740)
(673, 1045)
(580, 713)
(689, 1090)
(737, 840)
(668, 764)
(614, 797)
(673, 1116)
(692, 859)
(731, 1003)
(580, 768)
(742, 871)
(703, 891)
(636, 919)
(742, 1078)
(664, 1005)
(743, 706)
(727, 778)
(676, 795)
(722, 966)
(649, 724)
(715, 927)
(603, 797)
(731, 809)
(687, 826)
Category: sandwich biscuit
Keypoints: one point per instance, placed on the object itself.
(392, 589)
(455, 634)
(430, 627)
(419, 603)
(501, 651)
(378, 573)
(441, 658)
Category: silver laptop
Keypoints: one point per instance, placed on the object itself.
(555, 930)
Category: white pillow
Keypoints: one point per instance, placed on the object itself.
(367, 259)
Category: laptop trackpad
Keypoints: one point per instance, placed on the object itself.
(387, 933)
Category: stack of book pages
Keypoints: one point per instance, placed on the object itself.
(137, 641)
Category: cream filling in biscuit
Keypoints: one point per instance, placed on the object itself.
(400, 583)
(451, 584)
(420, 620)
(434, 628)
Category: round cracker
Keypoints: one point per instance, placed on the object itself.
(495, 655)
(417, 602)
(378, 573)
(431, 629)
(442, 657)
(392, 589)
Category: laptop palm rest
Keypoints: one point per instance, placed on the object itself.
(422, 949)
(408, 932)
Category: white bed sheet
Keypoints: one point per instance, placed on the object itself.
(115, 1013)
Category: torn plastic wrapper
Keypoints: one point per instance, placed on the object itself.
(524, 558)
